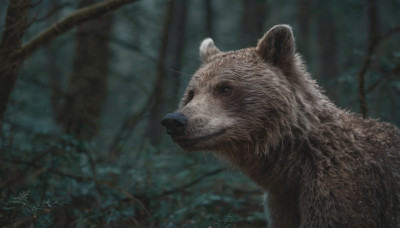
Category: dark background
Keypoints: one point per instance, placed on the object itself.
(81, 143)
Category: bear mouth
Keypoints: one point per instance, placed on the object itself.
(188, 142)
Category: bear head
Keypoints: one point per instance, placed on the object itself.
(241, 99)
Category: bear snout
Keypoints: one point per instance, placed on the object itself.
(174, 123)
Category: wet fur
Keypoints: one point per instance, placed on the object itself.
(321, 166)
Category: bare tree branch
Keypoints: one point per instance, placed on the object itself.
(65, 24)
(389, 33)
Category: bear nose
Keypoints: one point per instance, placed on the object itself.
(174, 123)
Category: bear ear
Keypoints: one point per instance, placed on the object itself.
(208, 49)
(277, 46)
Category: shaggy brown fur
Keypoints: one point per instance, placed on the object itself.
(259, 109)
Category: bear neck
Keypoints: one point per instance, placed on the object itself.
(276, 165)
(278, 169)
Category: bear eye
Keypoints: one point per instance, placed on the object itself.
(225, 90)
(190, 96)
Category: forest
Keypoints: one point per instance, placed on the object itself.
(84, 85)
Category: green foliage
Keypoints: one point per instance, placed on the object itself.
(21, 206)
(137, 189)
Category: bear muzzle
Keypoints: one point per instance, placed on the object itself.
(174, 123)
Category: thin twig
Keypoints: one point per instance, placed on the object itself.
(195, 181)
(127, 128)
(52, 170)
(53, 10)
(94, 178)
(389, 33)
(127, 195)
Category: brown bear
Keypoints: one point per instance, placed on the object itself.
(259, 109)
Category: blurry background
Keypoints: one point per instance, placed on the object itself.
(81, 143)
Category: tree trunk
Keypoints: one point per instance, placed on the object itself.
(166, 86)
(328, 67)
(253, 17)
(86, 91)
(54, 72)
(209, 19)
(54, 77)
(372, 44)
(15, 26)
(303, 34)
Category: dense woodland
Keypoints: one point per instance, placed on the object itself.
(84, 84)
